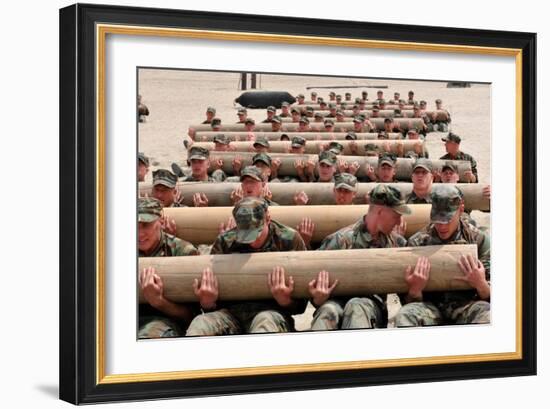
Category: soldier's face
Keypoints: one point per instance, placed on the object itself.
(329, 127)
(449, 176)
(421, 178)
(270, 114)
(344, 196)
(284, 110)
(148, 235)
(299, 150)
(164, 194)
(142, 171)
(388, 126)
(251, 187)
(375, 114)
(446, 231)
(326, 172)
(387, 219)
(260, 148)
(452, 147)
(379, 95)
(221, 147)
(209, 115)
(199, 166)
(386, 173)
(358, 126)
(242, 116)
(413, 135)
(295, 116)
(249, 127)
(275, 126)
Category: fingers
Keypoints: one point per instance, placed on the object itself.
(196, 287)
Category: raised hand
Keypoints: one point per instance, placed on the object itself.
(280, 289)
(306, 229)
(206, 289)
(418, 277)
(320, 288)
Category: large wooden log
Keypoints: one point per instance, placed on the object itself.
(315, 147)
(201, 226)
(441, 115)
(403, 165)
(318, 193)
(359, 272)
(208, 136)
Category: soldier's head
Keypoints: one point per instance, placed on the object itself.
(252, 218)
(421, 176)
(388, 125)
(216, 124)
(332, 108)
(413, 134)
(375, 111)
(438, 104)
(335, 147)
(411, 94)
(310, 111)
(396, 96)
(252, 181)
(351, 136)
(386, 206)
(296, 114)
(329, 125)
(382, 104)
(447, 207)
(348, 96)
(164, 187)
(285, 106)
(452, 143)
(379, 94)
(284, 137)
(276, 123)
(263, 162)
(356, 109)
(323, 106)
(326, 166)
(340, 115)
(338, 98)
(298, 145)
(358, 124)
(423, 105)
(318, 117)
(345, 188)
(372, 149)
(303, 124)
(386, 168)
(401, 104)
(199, 160)
(249, 124)
(143, 166)
(242, 113)
(301, 98)
(364, 95)
(210, 113)
(149, 223)
(449, 173)
(271, 110)
(332, 95)
(261, 144)
(222, 143)
(313, 96)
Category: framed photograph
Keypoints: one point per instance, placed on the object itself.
(233, 146)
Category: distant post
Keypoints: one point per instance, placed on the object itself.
(253, 80)
(243, 81)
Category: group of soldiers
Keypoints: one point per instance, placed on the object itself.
(252, 229)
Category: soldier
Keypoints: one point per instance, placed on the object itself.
(422, 179)
(345, 188)
(332, 111)
(222, 143)
(261, 144)
(334, 147)
(375, 112)
(210, 114)
(242, 114)
(359, 125)
(254, 232)
(440, 125)
(249, 125)
(268, 166)
(364, 95)
(271, 110)
(460, 307)
(285, 113)
(143, 166)
(452, 146)
(216, 124)
(382, 103)
(276, 124)
(385, 171)
(323, 106)
(411, 100)
(199, 160)
(303, 125)
(374, 230)
(371, 149)
(301, 99)
(396, 97)
(326, 167)
(350, 136)
(310, 111)
(340, 117)
(356, 110)
(298, 145)
(296, 115)
(318, 117)
(424, 127)
(379, 95)
(419, 150)
(313, 96)
(332, 96)
(329, 125)
(423, 105)
(164, 188)
(284, 137)
(160, 317)
(338, 99)
(143, 111)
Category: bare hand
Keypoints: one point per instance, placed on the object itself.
(353, 147)
(342, 166)
(236, 195)
(301, 198)
(207, 289)
(320, 288)
(401, 228)
(250, 136)
(178, 197)
(266, 193)
(418, 148)
(306, 229)
(217, 164)
(230, 224)
(200, 200)
(152, 287)
(418, 278)
(354, 167)
(437, 175)
(237, 164)
(470, 177)
(280, 290)
(369, 171)
(474, 272)
(299, 165)
(168, 225)
(486, 192)
(310, 166)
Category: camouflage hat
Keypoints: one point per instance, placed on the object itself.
(396, 94)
(423, 163)
(322, 103)
(423, 102)
(338, 96)
(149, 209)
(382, 135)
(211, 109)
(412, 130)
(300, 96)
(262, 157)
(438, 101)
(328, 121)
(345, 181)
(298, 142)
(318, 115)
(271, 108)
(375, 108)
(242, 111)
(332, 105)
(364, 93)
(198, 152)
(386, 159)
(340, 112)
(446, 200)
(451, 137)
(164, 177)
(276, 119)
(143, 159)
(216, 121)
(285, 104)
(332, 93)
(284, 137)
(348, 94)
(327, 157)
(250, 121)
(221, 138)
(372, 149)
(411, 92)
(389, 196)
(249, 215)
(351, 136)
(335, 147)
(358, 119)
(313, 94)
(253, 172)
(304, 120)
(320, 99)
(295, 110)
(449, 165)
(309, 108)
(262, 141)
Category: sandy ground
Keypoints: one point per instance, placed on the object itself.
(176, 99)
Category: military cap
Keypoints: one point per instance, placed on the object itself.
(310, 108)
(320, 99)
(381, 101)
(387, 120)
(372, 149)
(262, 141)
(300, 96)
(211, 109)
(451, 137)
(423, 163)
(449, 165)
(328, 121)
(339, 112)
(253, 172)
(332, 93)
(386, 195)
(242, 111)
(345, 181)
(216, 121)
(358, 119)
(284, 136)
(423, 102)
(396, 111)
(249, 121)
(411, 92)
(375, 108)
(356, 106)
(327, 157)
(358, 100)
(249, 214)
(438, 101)
(285, 104)
(348, 93)
(164, 177)
(335, 147)
(221, 138)
(412, 130)
(304, 120)
(198, 152)
(351, 136)
(318, 115)
(338, 96)
(295, 110)
(271, 108)
(313, 94)
(386, 159)
(298, 142)
(332, 105)
(143, 159)
(446, 200)
(262, 157)
(383, 135)
(149, 209)
(277, 119)
(396, 94)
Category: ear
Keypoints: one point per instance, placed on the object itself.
(461, 207)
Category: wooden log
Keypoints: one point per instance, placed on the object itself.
(441, 115)
(403, 165)
(201, 225)
(318, 193)
(314, 147)
(208, 136)
(347, 105)
(359, 272)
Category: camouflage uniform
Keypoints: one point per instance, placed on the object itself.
(213, 111)
(152, 322)
(369, 311)
(251, 316)
(197, 152)
(256, 174)
(166, 178)
(460, 307)
(460, 155)
(442, 126)
(413, 198)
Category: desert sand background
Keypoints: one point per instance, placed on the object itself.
(178, 98)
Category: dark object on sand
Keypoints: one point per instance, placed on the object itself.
(458, 84)
(263, 99)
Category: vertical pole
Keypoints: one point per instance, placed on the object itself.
(243, 81)
(253, 80)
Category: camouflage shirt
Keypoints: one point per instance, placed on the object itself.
(465, 234)
(170, 246)
(412, 198)
(463, 156)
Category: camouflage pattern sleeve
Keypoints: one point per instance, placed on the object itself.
(418, 239)
(298, 243)
(219, 246)
(484, 253)
(331, 242)
(188, 249)
(474, 168)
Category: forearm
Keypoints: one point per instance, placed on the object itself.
(174, 310)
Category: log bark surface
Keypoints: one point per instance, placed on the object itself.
(208, 136)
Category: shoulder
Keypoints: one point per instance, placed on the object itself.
(421, 238)
(179, 247)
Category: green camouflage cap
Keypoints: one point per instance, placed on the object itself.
(345, 181)
(262, 141)
(143, 159)
(386, 159)
(411, 92)
(253, 172)
(300, 96)
(322, 103)
(298, 142)
(340, 112)
(332, 93)
(452, 137)
(149, 209)
(389, 196)
(249, 121)
(285, 104)
(284, 137)
(335, 147)
(320, 99)
(423, 163)
(318, 115)
(249, 215)
(438, 101)
(423, 102)
(358, 119)
(304, 120)
(328, 121)
(262, 157)
(313, 93)
(351, 136)
(310, 108)
(348, 93)
(198, 152)
(242, 111)
(372, 149)
(446, 200)
(216, 121)
(375, 108)
(332, 105)
(211, 109)
(164, 177)
(338, 96)
(221, 138)
(271, 108)
(294, 109)
(383, 135)
(276, 119)
(327, 157)
(449, 165)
